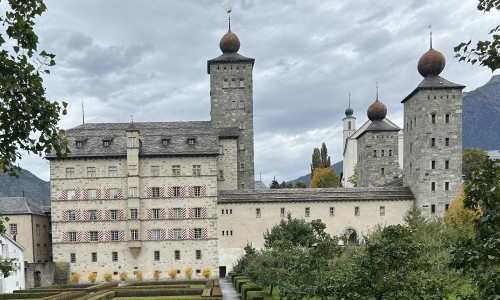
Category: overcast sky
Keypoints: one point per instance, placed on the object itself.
(148, 59)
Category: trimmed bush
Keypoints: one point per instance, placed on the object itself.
(75, 277)
(123, 276)
(107, 276)
(104, 296)
(188, 272)
(247, 288)
(238, 277)
(172, 273)
(157, 292)
(206, 272)
(169, 283)
(256, 295)
(240, 283)
(139, 275)
(156, 274)
(32, 295)
(92, 277)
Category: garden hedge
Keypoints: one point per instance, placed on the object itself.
(247, 288)
(157, 292)
(240, 283)
(256, 295)
(238, 277)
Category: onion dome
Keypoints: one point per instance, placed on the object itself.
(229, 42)
(431, 63)
(377, 111)
(349, 111)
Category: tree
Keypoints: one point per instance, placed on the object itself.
(325, 178)
(486, 52)
(274, 184)
(480, 255)
(24, 110)
(300, 185)
(472, 160)
(290, 232)
(243, 262)
(458, 219)
(320, 159)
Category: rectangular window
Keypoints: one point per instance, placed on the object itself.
(191, 141)
(446, 186)
(282, 212)
(112, 171)
(221, 149)
(382, 152)
(242, 105)
(156, 234)
(177, 254)
(91, 172)
(177, 213)
(155, 192)
(307, 211)
(133, 214)
(71, 215)
(71, 194)
(70, 172)
(132, 170)
(433, 164)
(105, 143)
(38, 249)
(257, 212)
(242, 83)
(91, 194)
(225, 84)
(390, 152)
(382, 210)
(433, 142)
(242, 167)
(72, 257)
(433, 118)
(447, 118)
(447, 141)
(233, 83)
(197, 191)
(446, 164)
(114, 256)
(221, 175)
(132, 192)
(197, 233)
(92, 215)
(196, 170)
(156, 213)
(131, 142)
(165, 142)
(433, 208)
(233, 104)
(156, 255)
(134, 234)
(332, 211)
(177, 234)
(93, 256)
(198, 254)
(72, 236)
(155, 170)
(433, 186)
(242, 125)
(374, 153)
(176, 170)
(382, 171)
(177, 191)
(114, 235)
(446, 206)
(356, 211)
(197, 212)
(13, 229)
(94, 236)
(113, 214)
(242, 146)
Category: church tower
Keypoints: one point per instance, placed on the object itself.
(349, 123)
(377, 149)
(231, 98)
(433, 137)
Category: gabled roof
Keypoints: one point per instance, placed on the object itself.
(433, 82)
(316, 195)
(92, 135)
(229, 57)
(13, 241)
(378, 126)
(19, 206)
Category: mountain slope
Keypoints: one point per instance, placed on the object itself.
(34, 188)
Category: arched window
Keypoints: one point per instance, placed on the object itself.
(349, 125)
(351, 237)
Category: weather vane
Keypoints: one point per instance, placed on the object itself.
(228, 11)
(430, 34)
(132, 118)
(376, 84)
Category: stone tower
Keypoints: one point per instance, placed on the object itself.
(349, 123)
(433, 137)
(377, 149)
(231, 96)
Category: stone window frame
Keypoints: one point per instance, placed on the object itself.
(282, 212)
(134, 234)
(176, 170)
(197, 191)
(176, 191)
(72, 236)
(114, 235)
(258, 212)
(433, 186)
(91, 172)
(131, 142)
(332, 211)
(382, 210)
(156, 234)
(197, 212)
(93, 256)
(357, 211)
(72, 257)
(133, 192)
(134, 213)
(113, 214)
(447, 142)
(447, 185)
(156, 213)
(177, 213)
(197, 233)
(112, 171)
(196, 170)
(177, 234)
(93, 236)
(71, 215)
(156, 255)
(70, 172)
(114, 256)
(177, 254)
(433, 164)
(92, 215)
(447, 118)
(197, 254)
(221, 149)
(91, 194)
(155, 192)
(447, 164)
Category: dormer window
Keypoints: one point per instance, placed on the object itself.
(105, 143)
(191, 141)
(79, 144)
(165, 142)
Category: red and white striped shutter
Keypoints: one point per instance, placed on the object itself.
(99, 215)
(203, 212)
(100, 236)
(77, 194)
(150, 213)
(98, 194)
(120, 215)
(150, 234)
(149, 192)
(203, 190)
(170, 213)
(191, 233)
(183, 212)
(79, 236)
(162, 192)
(190, 191)
(120, 193)
(108, 235)
(121, 235)
(191, 212)
(184, 233)
(162, 213)
(107, 214)
(163, 233)
(65, 215)
(106, 193)
(204, 233)
(183, 191)
(170, 191)
(86, 236)
(170, 234)
(65, 237)
(77, 215)
(64, 195)
(85, 194)
(86, 216)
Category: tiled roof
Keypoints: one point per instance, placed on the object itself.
(316, 195)
(379, 125)
(259, 185)
(433, 82)
(396, 182)
(229, 57)
(93, 135)
(19, 206)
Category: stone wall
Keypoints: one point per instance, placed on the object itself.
(50, 274)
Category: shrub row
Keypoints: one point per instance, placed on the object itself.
(148, 283)
(103, 296)
(32, 295)
(66, 296)
(157, 292)
(164, 286)
(247, 289)
(250, 286)
(256, 295)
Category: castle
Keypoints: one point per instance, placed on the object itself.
(149, 196)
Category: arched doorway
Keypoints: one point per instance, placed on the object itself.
(37, 276)
(351, 237)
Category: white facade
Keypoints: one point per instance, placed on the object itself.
(10, 249)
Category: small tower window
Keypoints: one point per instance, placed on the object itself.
(447, 141)
(433, 164)
(349, 125)
(382, 171)
(446, 186)
(382, 152)
(242, 125)
(374, 153)
(165, 142)
(390, 152)
(433, 118)
(242, 83)
(233, 83)
(433, 142)
(447, 118)
(242, 104)
(225, 84)
(105, 143)
(242, 146)
(433, 186)
(233, 105)
(446, 164)
(191, 141)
